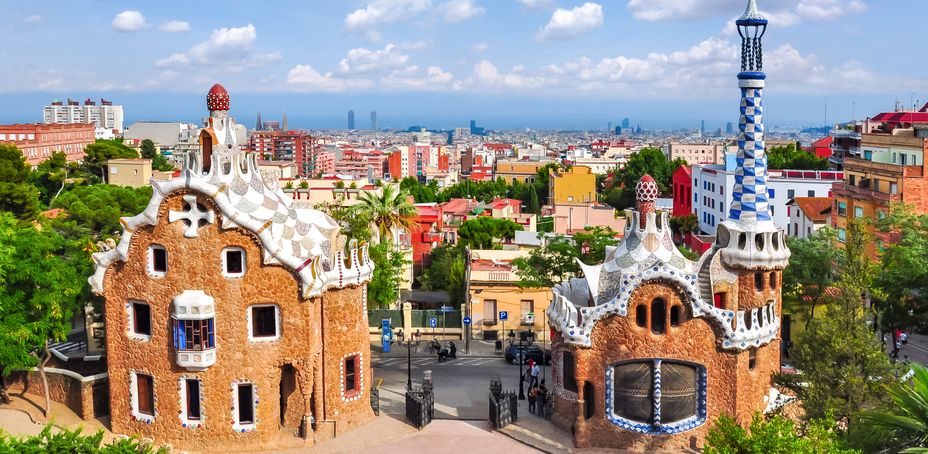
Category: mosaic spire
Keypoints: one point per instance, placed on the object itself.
(749, 197)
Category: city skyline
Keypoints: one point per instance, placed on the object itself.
(594, 62)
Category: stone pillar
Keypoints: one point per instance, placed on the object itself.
(407, 319)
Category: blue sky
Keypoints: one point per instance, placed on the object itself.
(506, 63)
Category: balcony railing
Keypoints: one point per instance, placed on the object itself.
(847, 190)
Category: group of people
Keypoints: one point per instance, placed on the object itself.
(537, 391)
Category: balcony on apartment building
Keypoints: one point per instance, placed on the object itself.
(867, 166)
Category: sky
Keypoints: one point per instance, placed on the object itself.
(440, 63)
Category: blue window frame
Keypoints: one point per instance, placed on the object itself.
(194, 335)
(655, 396)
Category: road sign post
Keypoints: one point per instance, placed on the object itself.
(503, 316)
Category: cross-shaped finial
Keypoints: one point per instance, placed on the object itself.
(194, 216)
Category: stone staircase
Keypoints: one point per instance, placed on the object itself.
(705, 283)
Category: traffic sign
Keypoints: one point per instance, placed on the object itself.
(466, 320)
(504, 315)
(433, 322)
(447, 309)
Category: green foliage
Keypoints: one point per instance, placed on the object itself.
(39, 290)
(420, 193)
(354, 225)
(813, 267)
(650, 161)
(445, 272)
(304, 184)
(148, 149)
(484, 232)
(69, 441)
(902, 277)
(776, 435)
(383, 289)
(387, 211)
(557, 260)
(101, 151)
(904, 425)
(95, 210)
(790, 157)
(16, 194)
(55, 174)
(682, 225)
(688, 253)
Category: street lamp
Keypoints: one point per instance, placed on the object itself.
(413, 341)
(520, 358)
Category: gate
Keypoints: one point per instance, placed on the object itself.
(504, 405)
(420, 407)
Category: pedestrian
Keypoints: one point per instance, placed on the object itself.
(535, 370)
(542, 399)
(904, 337)
(532, 398)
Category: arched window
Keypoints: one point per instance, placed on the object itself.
(759, 281)
(752, 358)
(641, 315)
(773, 280)
(676, 315)
(658, 316)
(656, 396)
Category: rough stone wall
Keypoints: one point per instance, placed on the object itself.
(76, 395)
(345, 332)
(753, 386)
(195, 264)
(694, 340)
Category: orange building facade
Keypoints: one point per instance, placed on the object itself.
(39, 141)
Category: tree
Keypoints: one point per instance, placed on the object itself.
(812, 268)
(791, 157)
(101, 151)
(354, 225)
(94, 211)
(427, 193)
(38, 296)
(650, 161)
(383, 288)
(445, 271)
(776, 435)
(556, 261)
(681, 225)
(904, 425)
(16, 194)
(902, 277)
(485, 232)
(387, 211)
(148, 149)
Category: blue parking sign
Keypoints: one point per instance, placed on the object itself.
(433, 322)
(504, 315)
(466, 320)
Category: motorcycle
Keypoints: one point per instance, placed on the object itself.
(450, 351)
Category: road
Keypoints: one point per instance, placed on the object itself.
(461, 385)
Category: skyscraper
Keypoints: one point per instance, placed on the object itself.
(702, 128)
(625, 123)
(374, 126)
(350, 119)
(283, 119)
(729, 128)
(259, 125)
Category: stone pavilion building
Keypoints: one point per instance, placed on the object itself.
(651, 347)
(234, 317)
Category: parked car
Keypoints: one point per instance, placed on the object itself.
(515, 354)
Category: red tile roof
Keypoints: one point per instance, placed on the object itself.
(815, 208)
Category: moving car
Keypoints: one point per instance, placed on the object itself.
(515, 353)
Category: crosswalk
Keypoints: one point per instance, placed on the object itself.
(431, 361)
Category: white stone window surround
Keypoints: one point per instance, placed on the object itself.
(134, 397)
(184, 421)
(236, 425)
(359, 392)
(193, 305)
(130, 317)
(225, 263)
(151, 260)
(250, 322)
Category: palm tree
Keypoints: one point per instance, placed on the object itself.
(907, 422)
(387, 211)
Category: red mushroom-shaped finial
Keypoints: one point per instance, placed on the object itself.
(646, 195)
(217, 98)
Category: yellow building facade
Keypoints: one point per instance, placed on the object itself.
(574, 185)
(493, 288)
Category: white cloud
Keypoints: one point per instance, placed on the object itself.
(829, 9)
(377, 12)
(479, 47)
(432, 78)
(129, 21)
(361, 60)
(460, 10)
(305, 78)
(227, 48)
(487, 76)
(536, 4)
(569, 24)
(33, 19)
(784, 13)
(175, 26)
(417, 45)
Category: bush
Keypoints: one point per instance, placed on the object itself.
(69, 441)
(774, 436)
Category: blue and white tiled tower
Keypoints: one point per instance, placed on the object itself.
(749, 238)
